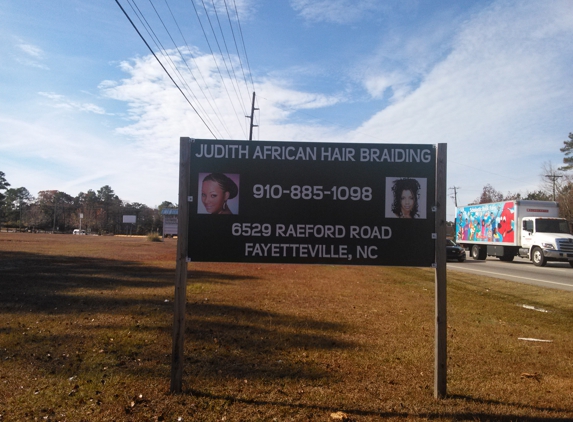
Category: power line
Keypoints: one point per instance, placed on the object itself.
(174, 66)
(194, 91)
(163, 67)
(236, 46)
(243, 42)
(234, 78)
(213, 54)
(215, 111)
(145, 23)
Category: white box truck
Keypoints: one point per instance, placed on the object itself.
(524, 228)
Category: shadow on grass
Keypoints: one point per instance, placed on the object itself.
(245, 343)
(355, 412)
(33, 282)
(221, 340)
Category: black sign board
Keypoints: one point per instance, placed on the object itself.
(311, 202)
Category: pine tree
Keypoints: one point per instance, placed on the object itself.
(3, 186)
(568, 151)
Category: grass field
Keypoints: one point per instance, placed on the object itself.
(85, 335)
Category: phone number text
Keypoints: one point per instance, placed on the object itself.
(337, 193)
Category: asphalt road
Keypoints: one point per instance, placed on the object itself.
(555, 275)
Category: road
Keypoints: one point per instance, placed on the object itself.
(555, 275)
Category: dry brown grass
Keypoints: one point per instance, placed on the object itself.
(85, 334)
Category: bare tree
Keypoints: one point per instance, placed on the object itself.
(558, 186)
(550, 179)
(565, 197)
(488, 194)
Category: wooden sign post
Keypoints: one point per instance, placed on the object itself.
(178, 354)
(440, 365)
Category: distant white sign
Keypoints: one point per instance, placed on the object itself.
(170, 225)
(129, 219)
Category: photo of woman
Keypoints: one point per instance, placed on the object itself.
(405, 198)
(219, 193)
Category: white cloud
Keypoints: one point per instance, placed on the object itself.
(243, 7)
(60, 101)
(397, 83)
(31, 63)
(29, 55)
(74, 159)
(31, 50)
(400, 61)
(43, 138)
(336, 11)
(282, 97)
(160, 113)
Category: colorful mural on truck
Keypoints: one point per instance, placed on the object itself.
(486, 223)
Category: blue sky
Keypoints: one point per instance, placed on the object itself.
(83, 103)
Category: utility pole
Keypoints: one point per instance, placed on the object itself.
(455, 189)
(553, 178)
(252, 117)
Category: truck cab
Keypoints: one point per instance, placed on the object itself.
(546, 239)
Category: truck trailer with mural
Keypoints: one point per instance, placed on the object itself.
(524, 228)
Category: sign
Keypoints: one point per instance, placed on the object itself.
(312, 203)
(328, 203)
(170, 225)
(129, 219)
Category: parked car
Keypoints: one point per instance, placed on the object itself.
(80, 232)
(455, 251)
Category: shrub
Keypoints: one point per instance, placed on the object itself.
(154, 237)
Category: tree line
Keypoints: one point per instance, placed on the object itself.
(97, 212)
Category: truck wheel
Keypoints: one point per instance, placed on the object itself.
(478, 253)
(538, 258)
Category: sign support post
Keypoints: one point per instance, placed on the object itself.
(178, 352)
(440, 354)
